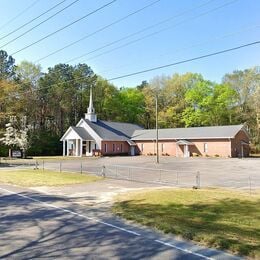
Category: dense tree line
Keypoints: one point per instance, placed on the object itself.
(58, 98)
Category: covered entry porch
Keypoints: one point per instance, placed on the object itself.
(183, 148)
(78, 147)
(78, 142)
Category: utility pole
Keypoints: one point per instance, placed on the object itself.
(156, 115)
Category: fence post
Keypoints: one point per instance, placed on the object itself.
(116, 172)
(60, 166)
(198, 180)
(177, 178)
(103, 174)
(36, 165)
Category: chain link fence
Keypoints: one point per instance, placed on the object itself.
(177, 178)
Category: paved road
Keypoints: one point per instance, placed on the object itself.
(35, 225)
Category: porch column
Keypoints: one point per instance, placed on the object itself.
(68, 148)
(64, 148)
(77, 147)
(80, 147)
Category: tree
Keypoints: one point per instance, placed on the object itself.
(131, 102)
(63, 95)
(16, 134)
(9, 138)
(28, 73)
(106, 99)
(7, 66)
(209, 104)
(247, 85)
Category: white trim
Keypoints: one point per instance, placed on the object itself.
(91, 131)
(67, 132)
(80, 147)
(175, 139)
(64, 147)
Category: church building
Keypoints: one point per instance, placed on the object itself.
(92, 136)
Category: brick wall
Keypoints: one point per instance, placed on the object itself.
(219, 147)
(114, 147)
(236, 145)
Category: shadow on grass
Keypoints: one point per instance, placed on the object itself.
(228, 224)
(33, 230)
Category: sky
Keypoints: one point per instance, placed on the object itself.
(129, 36)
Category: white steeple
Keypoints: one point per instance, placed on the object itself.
(91, 116)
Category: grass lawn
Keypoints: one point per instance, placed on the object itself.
(224, 219)
(33, 178)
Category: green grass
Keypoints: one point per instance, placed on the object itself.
(33, 178)
(223, 219)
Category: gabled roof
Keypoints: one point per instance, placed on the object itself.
(80, 131)
(113, 131)
(209, 132)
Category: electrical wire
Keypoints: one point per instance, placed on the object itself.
(99, 30)
(166, 65)
(37, 25)
(213, 39)
(32, 20)
(64, 27)
(19, 14)
(187, 60)
(148, 35)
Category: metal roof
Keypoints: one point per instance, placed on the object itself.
(209, 132)
(113, 131)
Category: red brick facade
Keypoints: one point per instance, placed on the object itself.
(200, 147)
(114, 147)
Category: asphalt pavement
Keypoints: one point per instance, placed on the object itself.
(35, 225)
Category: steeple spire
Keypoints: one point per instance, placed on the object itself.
(91, 109)
(91, 116)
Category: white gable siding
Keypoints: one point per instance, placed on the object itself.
(72, 135)
(97, 138)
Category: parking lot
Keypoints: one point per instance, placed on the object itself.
(183, 172)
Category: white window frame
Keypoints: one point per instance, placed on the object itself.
(205, 147)
(162, 147)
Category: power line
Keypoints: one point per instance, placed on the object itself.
(19, 14)
(197, 44)
(152, 34)
(125, 37)
(187, 60)
(167, 65)
(140, 31)
(35, 18)
(37, 25)
(99, 30)
(64, 27)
